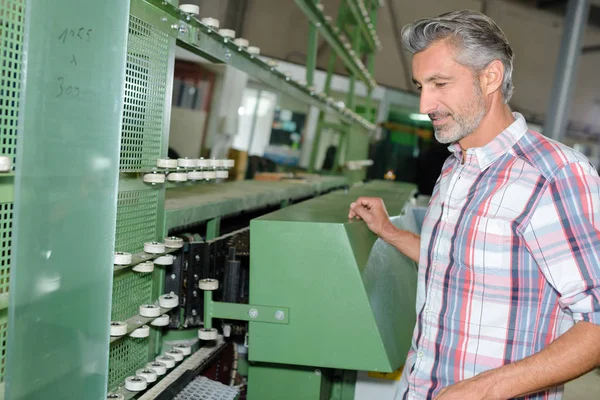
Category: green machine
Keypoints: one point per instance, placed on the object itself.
(325, 295)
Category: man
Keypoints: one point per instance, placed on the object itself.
(508, 299)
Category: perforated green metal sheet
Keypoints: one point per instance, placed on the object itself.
(126, 357)
(145, 90)
(6, 216)
(136, 219)
(11, 39)
(3, 331)
(130, 291)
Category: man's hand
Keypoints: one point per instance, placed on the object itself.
(373, 212)
(470, 389)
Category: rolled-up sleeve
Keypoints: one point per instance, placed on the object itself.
(563, 236)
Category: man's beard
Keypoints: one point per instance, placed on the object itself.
(464, 123)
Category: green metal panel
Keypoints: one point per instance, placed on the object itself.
(136, 219)
(194, 204)
(65, 184)
(276, 382)
(6, 219)
(338, 282)
(145, 91)
(11, 39)
(140, 212)
(127, 356)
(130, 290)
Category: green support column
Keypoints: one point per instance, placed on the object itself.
(66, 199)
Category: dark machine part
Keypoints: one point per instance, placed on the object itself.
(174, 279)
(226, 259)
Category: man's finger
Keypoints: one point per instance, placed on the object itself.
(361, 212)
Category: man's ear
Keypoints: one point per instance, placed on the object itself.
(492, 77)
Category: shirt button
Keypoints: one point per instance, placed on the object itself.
(420, 354)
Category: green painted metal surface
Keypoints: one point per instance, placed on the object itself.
(277, 382)
(11, 41)
(140, 207)
(190, 205)
(338, 281)
(66, 181)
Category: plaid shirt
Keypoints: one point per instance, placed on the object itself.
(510, 259)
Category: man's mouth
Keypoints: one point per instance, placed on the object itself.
(439, 119)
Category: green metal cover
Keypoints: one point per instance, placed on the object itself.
(140, 216)
(65, 199)
(145, 92)
(351, 299)
(12, 14)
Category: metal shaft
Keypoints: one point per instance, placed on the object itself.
(208, 308)
(566, 69)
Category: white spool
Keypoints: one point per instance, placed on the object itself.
(122, 258)
(229, 163)
(176, 354)
(168, 300)
(222, 174)
(154, 247)
(186, 349)
(148, 374)
(167, 360)
(163, 320)
(144, 267)
(186, 162)
(228, 33)
(254, 50)
(203, 163)
(216, 163)
(154, 178)
(210, 175)
(135, 383)
(141, 332)
(241, 42)
(177, 177)
(159, 367)
(190, 9)
(166, 163)
(195, 175)
(173, 242)
(115, 396)
(210, 334)
(211, 22)
(208, 284)
(118, 328)
(167, 259)
(149, 310)
(5, 164)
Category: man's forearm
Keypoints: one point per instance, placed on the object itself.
(406, 242)
(573, 354)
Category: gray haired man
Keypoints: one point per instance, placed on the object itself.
(508, 298)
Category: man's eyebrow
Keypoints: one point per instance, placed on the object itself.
(431, 78)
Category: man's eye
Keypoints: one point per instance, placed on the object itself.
(440, 84)
(419, 88)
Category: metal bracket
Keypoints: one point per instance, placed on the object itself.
(242, 312)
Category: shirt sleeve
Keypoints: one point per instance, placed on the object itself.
(563, 236)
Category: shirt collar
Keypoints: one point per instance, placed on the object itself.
(499, 146)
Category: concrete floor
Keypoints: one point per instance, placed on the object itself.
(585, 388)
